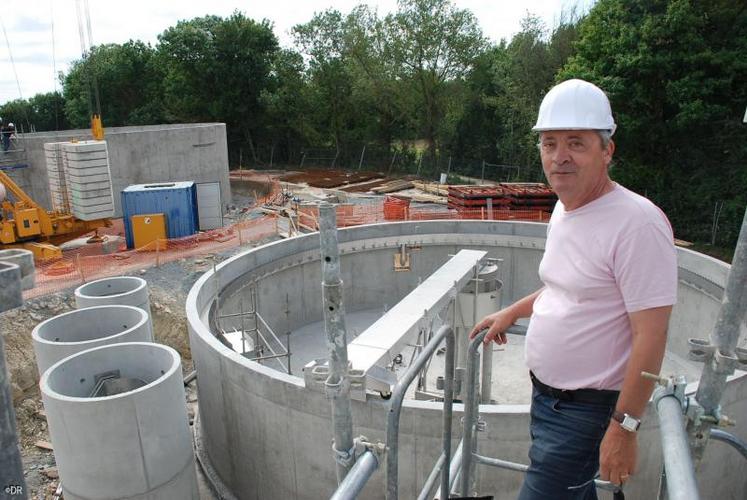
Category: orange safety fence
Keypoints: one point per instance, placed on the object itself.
(370, 213)
(90, 263)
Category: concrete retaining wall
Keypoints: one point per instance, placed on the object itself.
(269, 437)
(137, 155)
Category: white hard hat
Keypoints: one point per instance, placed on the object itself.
(11, 124)
(575, 105)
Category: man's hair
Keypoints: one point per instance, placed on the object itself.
(605, 136)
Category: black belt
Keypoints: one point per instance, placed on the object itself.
(590, 396)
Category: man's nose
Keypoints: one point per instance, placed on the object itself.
(561, 154)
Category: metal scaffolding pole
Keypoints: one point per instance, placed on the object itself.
(337, 385)
(678, 465)
(354, 482)
(724, 338)
(11, 467)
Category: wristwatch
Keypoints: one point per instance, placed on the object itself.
(627, 422)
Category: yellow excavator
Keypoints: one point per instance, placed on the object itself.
(24, 223)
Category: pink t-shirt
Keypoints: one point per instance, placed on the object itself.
(606, 259)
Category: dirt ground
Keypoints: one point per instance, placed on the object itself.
(168, 284)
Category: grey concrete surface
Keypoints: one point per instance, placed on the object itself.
(115, 290)
(11, 295)
(135, 444)
(25, 261)
(137, 155)
(267, 436)
(81, 329)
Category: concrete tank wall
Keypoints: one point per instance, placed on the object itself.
(137, 155)
(267, 436)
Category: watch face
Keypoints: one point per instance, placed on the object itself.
(630, 424)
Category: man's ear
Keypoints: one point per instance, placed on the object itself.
(609, 152)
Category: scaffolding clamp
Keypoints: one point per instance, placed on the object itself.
(703, 351)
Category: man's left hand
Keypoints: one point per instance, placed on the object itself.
(618, 454)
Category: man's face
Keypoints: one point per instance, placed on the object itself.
(575, 164)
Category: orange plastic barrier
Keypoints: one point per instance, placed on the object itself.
(395, 208)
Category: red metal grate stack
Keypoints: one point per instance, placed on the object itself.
(505, 196)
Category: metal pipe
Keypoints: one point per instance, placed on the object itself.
(357, 478)
(504, 464)
(724, 338)
(337, 384)
(395, 406)
(678, 463)
(11, 466)
(449, 370)
(471, 405)
(454, 467)
(731, 440)
(189, 378)
(470, 411)
(430, 482)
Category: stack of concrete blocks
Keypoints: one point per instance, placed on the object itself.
(89, 179)
(58, 188)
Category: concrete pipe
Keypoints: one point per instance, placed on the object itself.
(118, 422)
(117, 290)
(25, 260)
(81, 329)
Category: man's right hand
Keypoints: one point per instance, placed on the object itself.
(497, 324)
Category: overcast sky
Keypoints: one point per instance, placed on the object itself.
(43, 35)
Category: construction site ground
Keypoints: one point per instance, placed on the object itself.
(170, 277)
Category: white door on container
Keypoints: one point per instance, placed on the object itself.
(209, 205)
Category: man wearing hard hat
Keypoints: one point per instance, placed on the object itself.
(610, 279)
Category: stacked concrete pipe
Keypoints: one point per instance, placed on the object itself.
(75, 331)
(116, 290)
(118, 423)
(23, 259)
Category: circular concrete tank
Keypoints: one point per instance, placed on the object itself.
(268, 436)
(75, 331)
(25, 260)
(116, 290)
(131, 439)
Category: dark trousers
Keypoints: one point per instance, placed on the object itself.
(564, 454)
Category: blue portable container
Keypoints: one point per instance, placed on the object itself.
(177, 200)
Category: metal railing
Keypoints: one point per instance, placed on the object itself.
(471, 418)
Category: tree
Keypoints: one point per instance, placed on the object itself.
(41, 112)
(675, 73)
(129, 85)
(434, 43)
(216, 70)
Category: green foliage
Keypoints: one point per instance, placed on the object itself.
(216, 70)
(42, 112)
(675, 72)
(129, 82)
